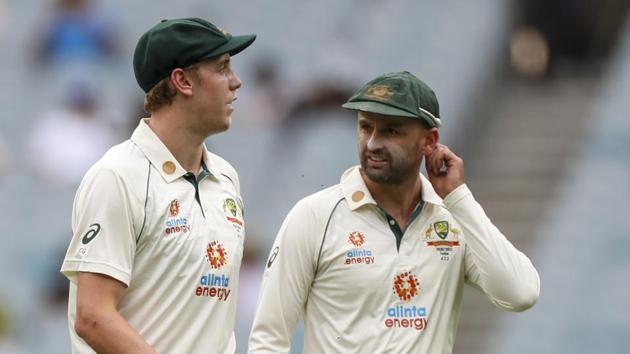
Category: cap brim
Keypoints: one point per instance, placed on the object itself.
(235, 45)
(377, 107)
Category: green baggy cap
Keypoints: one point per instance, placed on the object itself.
(179, 43)
(398, 94)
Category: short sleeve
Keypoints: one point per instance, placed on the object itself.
(103, 238)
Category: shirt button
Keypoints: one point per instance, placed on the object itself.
(392, 222)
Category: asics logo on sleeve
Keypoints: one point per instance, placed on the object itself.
(273, 256)
(91, 233)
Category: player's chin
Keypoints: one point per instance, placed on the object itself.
(373, 172)
(219, 126)
(226, 122)
(378, 176)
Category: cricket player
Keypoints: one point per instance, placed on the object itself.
(158, 222)
(377, 263)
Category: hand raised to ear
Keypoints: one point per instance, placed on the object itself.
(445, 170)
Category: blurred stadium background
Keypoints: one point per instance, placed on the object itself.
(534, 95)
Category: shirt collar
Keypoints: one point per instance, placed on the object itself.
(159, 155)
(428, 193)
(354, 189)
(356, 193)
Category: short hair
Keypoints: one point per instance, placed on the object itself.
(163, 93)
(160, 95)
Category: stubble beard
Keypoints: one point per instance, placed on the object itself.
(396, 171)
(392, 174)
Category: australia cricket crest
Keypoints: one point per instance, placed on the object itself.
(441, 229)
(233, 213)
(444, 247)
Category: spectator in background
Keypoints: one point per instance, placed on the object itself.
(78, 30)
(579, 31)
(268, 103)
(321, 95)
(67, 141)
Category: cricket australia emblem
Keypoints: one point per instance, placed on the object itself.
(444, 245)
(234, 213)
(441, 229)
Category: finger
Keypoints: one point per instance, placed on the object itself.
(431, 173)
(450, 159)
(431, 162)
(438, 159)
(447, 156)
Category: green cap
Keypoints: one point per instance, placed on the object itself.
(179, 43)
(398, 94)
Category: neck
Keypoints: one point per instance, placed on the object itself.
(185, 144)
(398, 200)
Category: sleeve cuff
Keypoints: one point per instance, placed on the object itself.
(70, 268)
(456, 195)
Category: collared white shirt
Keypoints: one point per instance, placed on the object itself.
(335, 262)
(176, 241)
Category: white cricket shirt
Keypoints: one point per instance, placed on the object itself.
(335, 262)
(176, 241)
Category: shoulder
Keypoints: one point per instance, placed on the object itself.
(221, 166)
(123, 164)
(321, 204)
(123, 157)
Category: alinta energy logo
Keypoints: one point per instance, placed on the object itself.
(211, 284)
(216, 254)
(407, 287)
(175, 224)
(356, 238)
(174, 208)
(358, 254)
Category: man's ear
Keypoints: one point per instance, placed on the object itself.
(181, 81)
(431, 139)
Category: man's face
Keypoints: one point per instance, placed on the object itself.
(390, 148)
(215, 90)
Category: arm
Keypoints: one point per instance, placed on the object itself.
(99, 261)
(492, 263)
(286, 283)
(98, 321)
